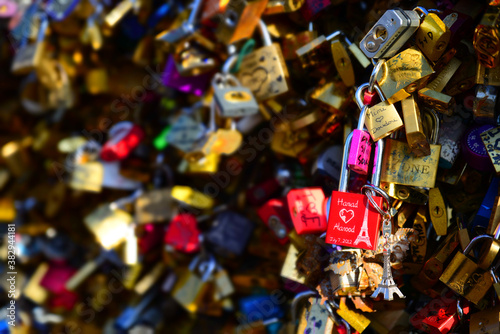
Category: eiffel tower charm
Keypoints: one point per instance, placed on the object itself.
(363, 233)
(387, 285)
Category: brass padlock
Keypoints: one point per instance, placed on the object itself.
(29, 56)
(484, 104)
(486, 38)
(464, 276)
(486, 321)
(440, 102)
(264, 71)
(415, 135)
(403, 74)
(432, 36)
(401, 166)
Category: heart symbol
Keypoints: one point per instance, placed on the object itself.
(379, 119)
(346, 215)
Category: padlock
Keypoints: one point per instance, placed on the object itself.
(485, 104)
(54, 281)
(451, 129)
(490, 139)
(415, 135)
(361, 144)
(170, 38)
(60, 10)
(232, 99)
(444, 75)
(239, 20)
(486, 38)
(123, 138)
(191, 197)
(283, 6)
(306, 208)
(352, 221)
(196, 84)
(229, 234)
(403, 74)
(464, 78)
(401, 166)
(473, 149)
(274, 214)
(264, 71)
(443, 103)
(433, 35)
(29, 56)
(464, 276)
(390, 33)
(331, 95)
(193, 57)
(434, 266)
(185, 132)
(438, 316)
(183, 234)
(292, 42)
(382, 119)
(485, 321)
(9, 8)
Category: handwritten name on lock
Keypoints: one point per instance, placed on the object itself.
(401, 166)
(353, 222)
(382, 119)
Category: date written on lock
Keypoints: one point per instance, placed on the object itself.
(353, 222)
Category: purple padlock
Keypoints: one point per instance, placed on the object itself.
(474, 150)
(361, 145)
(196, 84)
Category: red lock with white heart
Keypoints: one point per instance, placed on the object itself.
(352, 220)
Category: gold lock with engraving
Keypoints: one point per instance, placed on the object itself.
(403, 74)
(264, 70)
(432, 36)
(401, 166)
(487, 39)
(465, 277)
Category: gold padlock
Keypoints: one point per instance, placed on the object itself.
(485, 322)
(464, 276)
(29, 56)
(401, 166)
(404, 74)
(264, 71)
(440, 102)
(415, 135)
(433, 35)
(486, 38)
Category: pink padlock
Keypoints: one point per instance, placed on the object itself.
(361, 145)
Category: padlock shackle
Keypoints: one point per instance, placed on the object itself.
(344, 173)
(421, 11)
(297, 299)
(359, 94)
(377, 164)
(266, 37)
(229, 63)
(435, 134)
(474, 241)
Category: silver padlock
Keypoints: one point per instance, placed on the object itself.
(233, 99)
(390, 32)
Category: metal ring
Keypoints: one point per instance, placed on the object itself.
(374, 74)
(372, 188)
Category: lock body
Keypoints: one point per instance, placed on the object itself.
(359, 153)
(487, 39)
(264, 71)
(235, 101)
(432, 36)
(307, 210)
(352, 221)
(389, 34)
